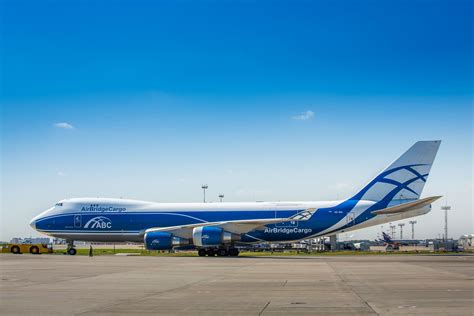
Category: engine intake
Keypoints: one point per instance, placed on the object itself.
(163, 241)
(211, 236)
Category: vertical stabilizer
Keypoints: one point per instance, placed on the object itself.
(405, 178)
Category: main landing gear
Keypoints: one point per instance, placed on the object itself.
(70, 248)
(221, 252)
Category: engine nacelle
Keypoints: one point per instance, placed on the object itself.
(211, 236)
(163, 240)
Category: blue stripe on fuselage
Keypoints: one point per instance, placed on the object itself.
(131, 221)
(136, 222)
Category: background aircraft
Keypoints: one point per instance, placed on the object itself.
(398, 242)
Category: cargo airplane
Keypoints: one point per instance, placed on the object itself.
(217, 228)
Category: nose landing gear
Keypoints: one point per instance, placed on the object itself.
(70, 248)
(71, 251)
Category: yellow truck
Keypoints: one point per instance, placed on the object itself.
(27, 248)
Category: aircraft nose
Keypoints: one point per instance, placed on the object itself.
(33, 223)
(38, 221)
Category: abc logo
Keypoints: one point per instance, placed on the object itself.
(99, 222)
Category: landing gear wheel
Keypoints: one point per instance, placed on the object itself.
(15, 249)
(34, 250)
(71, 251)
(233, 252)
(202, 252)
(211, 252)
(222, 252)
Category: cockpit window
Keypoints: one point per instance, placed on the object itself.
(59, 204)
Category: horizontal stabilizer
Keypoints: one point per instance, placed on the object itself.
(407, 206)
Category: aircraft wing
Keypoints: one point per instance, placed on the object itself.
(407, 206)
(236, 227)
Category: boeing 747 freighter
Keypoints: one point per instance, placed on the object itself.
(216, 228)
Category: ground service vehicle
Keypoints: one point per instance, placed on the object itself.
(27, 248)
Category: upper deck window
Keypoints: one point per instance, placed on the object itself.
(59, 204)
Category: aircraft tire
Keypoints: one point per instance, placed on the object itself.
(211, 252)
(233, 252)
(71, 251)
(202, 252)
(222, 252)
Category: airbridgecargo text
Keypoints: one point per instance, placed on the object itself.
(286, 230)
(98, 208)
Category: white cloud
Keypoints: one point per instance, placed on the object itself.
(64, 125)
(61, 174)
(338, 186)
(304, 116)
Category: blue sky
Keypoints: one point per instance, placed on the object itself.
(239, 48)
(281, 100)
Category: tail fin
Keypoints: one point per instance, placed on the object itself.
(386, 237)
(405, 178)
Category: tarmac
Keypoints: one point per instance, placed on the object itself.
(356, 285)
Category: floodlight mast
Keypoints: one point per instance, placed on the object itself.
(392, 230)
(204, 188)
(446, 208)
(412, 223)
(401, 229)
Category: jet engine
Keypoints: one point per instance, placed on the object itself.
(163, 241)
(211, 236)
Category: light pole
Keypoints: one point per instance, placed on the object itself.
(401, 229)
(446, 209)
(221, 196)
(204, 188)
(392, 230)
(412, 229)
